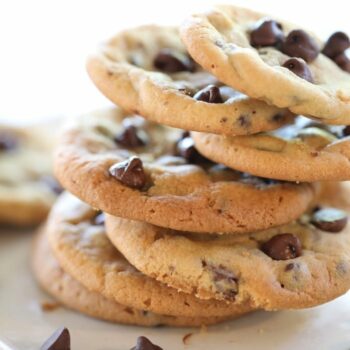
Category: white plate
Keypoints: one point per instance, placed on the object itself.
(23, 325)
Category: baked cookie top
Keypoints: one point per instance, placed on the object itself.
(27, 187)
(303, 151)
(146, 70)
(297, 265)
(132, 168)
(78, 239)
(273, 60)
(74, 295)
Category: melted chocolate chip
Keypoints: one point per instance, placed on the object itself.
(171, 61)
(99, 219)
(131, 137)
(129, 172)
(59, 340)
(336, 44)
(210, 94)
(329, 219)
(282, 247)
(299, 68)
(8, 141)
(300, 44)
(185, 148)
(143, 343)
(266, 33)
(343, 61)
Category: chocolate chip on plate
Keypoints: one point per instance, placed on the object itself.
(336, 44)
(343, 61)
(346, 131)
(143, 343)
(329, 219)
(129, 172)
(131, 137)
(210, 94)
(8, 141)
(185, 148)
(300, 44)
(59, 340)
(266, 33)
(282, 247)
(299, 68)
(172, 61)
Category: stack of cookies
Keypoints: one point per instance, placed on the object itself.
(203, 193)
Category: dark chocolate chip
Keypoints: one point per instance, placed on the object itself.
(129, 172)
(343, 61)
(131, 137)
(336, 44)
(185, 148)
(52, 183)
(143, 343)
(266, 33)
(210, 94)
(172, 61)
(299, 68)
(282, 247)
(289, 267)
(99, 219)
(59, 340)
(329, 219)
(346, 131)
(8, 141)
(300, 44)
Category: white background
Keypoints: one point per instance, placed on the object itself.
(43, 44)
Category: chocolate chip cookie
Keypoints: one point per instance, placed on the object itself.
(146, 70)
(27, 186)
(78, 239)
(135, 169)
(303, 151)
(75, 296)
(297, 265)
(273, 61)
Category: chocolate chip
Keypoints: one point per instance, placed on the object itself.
(336, 44)
(210, 94)
(300, 44)
(185, 148)
(343, 61)
(266, 33)
(329, 219)
(346, 131)
(289, 267)
(129, 172)
(52, 183)
(131, 137)
(282, 247)
(172, 61)
(8, 141)
(299, 68)
(59, 340)
(99, 219)
(143, 343)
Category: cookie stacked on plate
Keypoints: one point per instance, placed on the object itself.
(199, 193)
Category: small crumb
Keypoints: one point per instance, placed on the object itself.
(49, 306)
(186, 338)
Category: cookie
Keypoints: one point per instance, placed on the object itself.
(304, 151)
(79, 242)
(301, 264)
(27, 186)
(273, 61)
(126, 166)
(75, 296)
(146, 70)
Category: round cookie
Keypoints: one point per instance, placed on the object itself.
(74, 295)
(304, 151)
(27, 187)
(147, 71)
(301, 264)
(252, 53)
(95, 164)
(77, 237)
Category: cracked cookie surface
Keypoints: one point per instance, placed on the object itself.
(147, 70)
(127, 167)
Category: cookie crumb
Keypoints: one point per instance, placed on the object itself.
(48, 306)
(186, 338)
